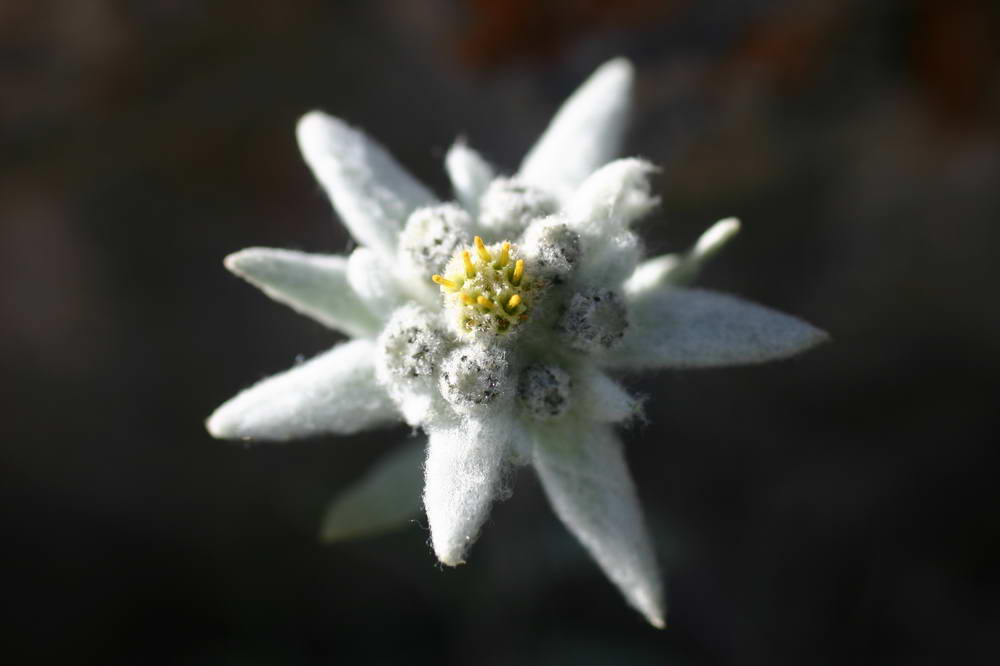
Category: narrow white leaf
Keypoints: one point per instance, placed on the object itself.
(334, 392)
(680, 269)
(373, 279)
(386, 497)
(598, 398)
(312, 284)
(371, 192)
(464, 475)
(678, 327)
(585, 133)
(470, 175)
(583, 472)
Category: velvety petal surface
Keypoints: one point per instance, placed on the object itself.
(602, 210)
(613, 197)
(334, 392)
(681, 269)
(679, 327)
(311, 284)
(464, 475)
(470, 175)
(599, 398)
(373, 279)
(585, 477)
(371, 192)
(386, 497)
(585, 133)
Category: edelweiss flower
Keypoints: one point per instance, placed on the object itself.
(497, 324)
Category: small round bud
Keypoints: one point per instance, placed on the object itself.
(411, 346)
(474, 375)
(553, 248)
(544, 391)
(432, 234)
(509, 205)
(594, 320)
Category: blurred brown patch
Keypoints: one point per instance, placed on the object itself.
(953, 51)
(504, 30)
(785, 48)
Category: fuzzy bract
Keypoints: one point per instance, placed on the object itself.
(498, 324)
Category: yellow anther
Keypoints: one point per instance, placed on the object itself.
(514, 301)
(444, 282)
(484, 254)
(483, 301)
(515, 279)
(504, 255)
(467, 299)
(470, 270)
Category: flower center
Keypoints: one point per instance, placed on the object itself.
(486, 288)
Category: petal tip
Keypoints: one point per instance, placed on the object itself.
(314, 131)
(219, 425)
(451, 557)
(619, 68)
(237, 262)
(651, 607)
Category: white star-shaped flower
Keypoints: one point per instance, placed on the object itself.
(497, 325)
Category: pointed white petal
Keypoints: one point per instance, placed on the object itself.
(463, 476)
(386, 497)
(312, 284)
(373, 280)
(372, 193)
(653, 274)
(584, 474)
(597, 397)
(713, 240)
(470, 175)
(334, 392)
(681, 269)
(679, 327)
(612, 198)
(585, 133)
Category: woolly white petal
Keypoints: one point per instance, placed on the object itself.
(601, 210)
(373, 279)
(694, 328)
(599, 398)
(612, 197)
(584, 474)
(386, 497)
(334, 392)
(681, 269)
(470, 175)
(312, 284)
(586, 132)
(463, 476)
(372, 193)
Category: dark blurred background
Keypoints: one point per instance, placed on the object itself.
(839, 508)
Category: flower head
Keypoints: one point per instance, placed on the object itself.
(497, 324)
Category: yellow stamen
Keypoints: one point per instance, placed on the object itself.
(518, 272)
(470, 270)
(444, 282)
(467, 299)
(483, 301)
(484, 254)
(504, 255)
(514, 301)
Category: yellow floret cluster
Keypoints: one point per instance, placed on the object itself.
(487, 288)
